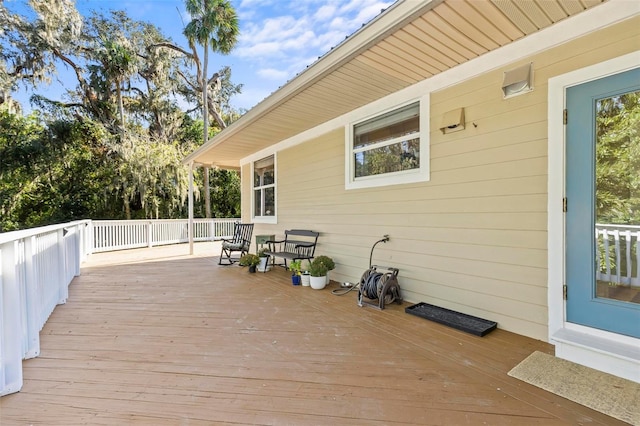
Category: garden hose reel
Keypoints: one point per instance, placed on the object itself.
(379, 287)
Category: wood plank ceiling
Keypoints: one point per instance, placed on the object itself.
(440, 36)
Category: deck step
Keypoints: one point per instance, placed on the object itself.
(458, 320)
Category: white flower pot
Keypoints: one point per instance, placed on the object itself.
(262, 266)
(306, 280)
(318, 283)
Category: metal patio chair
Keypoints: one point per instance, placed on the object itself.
(239, 243)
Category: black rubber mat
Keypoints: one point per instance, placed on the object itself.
(458, 320)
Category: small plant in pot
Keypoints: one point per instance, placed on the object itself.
(264, 259)
(295, 266)
(305, 277)
(318, 271)
(250, 260)
(328, 262)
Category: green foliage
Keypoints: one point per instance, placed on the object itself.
(295, 266)
(327, 261)
(249, 259)
(318, 268)
(618, 159)
(114, 148)
(49, 175)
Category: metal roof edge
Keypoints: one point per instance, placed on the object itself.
(394, 17)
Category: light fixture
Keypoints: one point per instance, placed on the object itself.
(518, 81)
(453, 121)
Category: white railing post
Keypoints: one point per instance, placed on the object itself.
(10, 327)
(32, 329)
(63, 290)
(150, 234)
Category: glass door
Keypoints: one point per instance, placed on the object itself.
(603, 203)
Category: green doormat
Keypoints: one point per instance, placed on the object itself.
(608, 394)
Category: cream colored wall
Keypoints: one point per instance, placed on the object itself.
(473, 238)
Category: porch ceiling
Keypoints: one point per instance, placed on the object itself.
(410, 42)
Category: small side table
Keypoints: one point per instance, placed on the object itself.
(261, 240)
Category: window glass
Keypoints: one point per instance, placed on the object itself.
(398, 123)
(264, 191)
(388, 159)
(388, 143)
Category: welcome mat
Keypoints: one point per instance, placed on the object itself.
(608, 394)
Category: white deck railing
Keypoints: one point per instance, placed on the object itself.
(109, 235)
(37, 265)
(618, 254)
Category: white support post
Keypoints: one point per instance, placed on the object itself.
(10, 327)
(190, 226)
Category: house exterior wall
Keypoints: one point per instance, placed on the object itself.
(474, 237)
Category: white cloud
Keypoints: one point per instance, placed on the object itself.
(325, 13)
(273, 74)
(281, 38)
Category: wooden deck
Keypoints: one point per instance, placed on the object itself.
(158, 337)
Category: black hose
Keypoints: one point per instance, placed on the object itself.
(372, 287)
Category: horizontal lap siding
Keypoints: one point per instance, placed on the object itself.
(473, 238)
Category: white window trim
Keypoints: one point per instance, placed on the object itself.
(420, 174)
(265, 219)
(610, 352)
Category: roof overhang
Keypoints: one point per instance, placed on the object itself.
(409, 42)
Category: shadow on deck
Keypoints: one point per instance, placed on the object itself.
(154, 336)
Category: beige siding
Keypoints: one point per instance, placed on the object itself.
(473, 238)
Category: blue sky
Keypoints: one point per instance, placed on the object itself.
(278, 38)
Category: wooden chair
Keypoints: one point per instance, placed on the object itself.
(239, 243)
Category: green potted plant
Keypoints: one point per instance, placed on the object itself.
(264, 259)
(250, 260)
(305, 276)
(318, 271)
(328, 262)
(295, 266)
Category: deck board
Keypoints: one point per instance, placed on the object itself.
(154, 336)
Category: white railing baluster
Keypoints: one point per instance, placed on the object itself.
(627, 237)
(622, 260)
(607, 259)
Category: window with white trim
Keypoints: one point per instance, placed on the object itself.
(387, 149)
(264, 188)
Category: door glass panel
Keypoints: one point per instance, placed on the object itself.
(617, 228)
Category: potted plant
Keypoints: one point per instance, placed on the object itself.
(295, 266)
(250, 260)
(328, 262)
(318, 271)
(264, 259)
(305, 276)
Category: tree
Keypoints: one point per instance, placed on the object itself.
(214, 24)
(618, 159)
(79, 157)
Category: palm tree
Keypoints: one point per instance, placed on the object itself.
(118, 64)
(214, 24)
